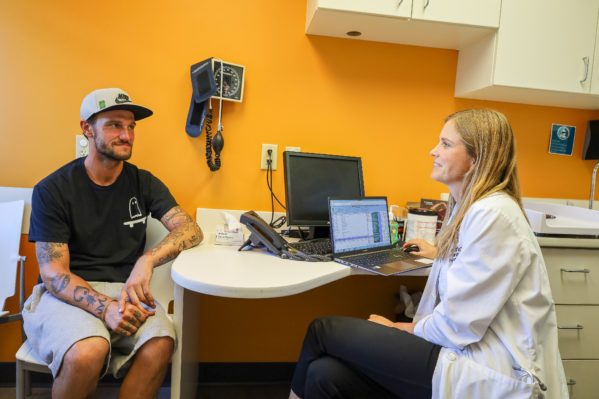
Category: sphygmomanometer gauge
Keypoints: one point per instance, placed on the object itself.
(231, 76)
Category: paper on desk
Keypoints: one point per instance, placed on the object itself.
(231, 223)
(224, 236)
(229, 233)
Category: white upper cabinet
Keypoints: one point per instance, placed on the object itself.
(595, 71)
(393, 8)
(469, 12)
(449, 24)
(547, 44)
(542, 54)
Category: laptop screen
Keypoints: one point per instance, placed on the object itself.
(358, 224)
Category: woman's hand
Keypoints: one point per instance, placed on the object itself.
(425, 249)
(407, 327)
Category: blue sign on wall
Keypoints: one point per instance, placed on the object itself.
(562, 139)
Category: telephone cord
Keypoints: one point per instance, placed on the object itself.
(294, 254)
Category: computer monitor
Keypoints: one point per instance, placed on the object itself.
(310, 179)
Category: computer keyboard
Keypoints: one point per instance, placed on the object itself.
(378, 258)
(318, 246)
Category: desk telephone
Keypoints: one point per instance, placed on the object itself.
(262, 235)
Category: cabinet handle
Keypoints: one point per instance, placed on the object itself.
(586, 69)
(585, 271)
(425, 4)
(576, 327)
(571, 382)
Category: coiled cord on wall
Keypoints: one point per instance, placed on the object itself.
(217, 143)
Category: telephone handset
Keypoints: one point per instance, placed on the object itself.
(264, 235)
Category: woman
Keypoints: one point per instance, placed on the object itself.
(486, 325)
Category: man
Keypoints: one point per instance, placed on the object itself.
(94, 311)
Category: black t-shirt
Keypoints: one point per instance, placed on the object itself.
(104, 226)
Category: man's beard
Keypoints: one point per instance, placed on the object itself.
(109, 153)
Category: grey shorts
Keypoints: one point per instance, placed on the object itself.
(53, 326)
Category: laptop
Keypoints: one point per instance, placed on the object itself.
(360, 237)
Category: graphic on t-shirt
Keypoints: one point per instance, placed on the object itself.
(134, 212)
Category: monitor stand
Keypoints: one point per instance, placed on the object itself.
(312, 232)
(319, 232)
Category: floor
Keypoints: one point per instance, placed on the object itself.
(211, 391)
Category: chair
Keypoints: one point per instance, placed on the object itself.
(161, 286)
(11, 214)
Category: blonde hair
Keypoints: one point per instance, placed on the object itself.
(489, 140)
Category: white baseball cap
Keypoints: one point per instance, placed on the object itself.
(102, 100)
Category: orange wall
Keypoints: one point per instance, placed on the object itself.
(379, 101)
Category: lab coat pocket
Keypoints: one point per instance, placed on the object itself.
(459, 377)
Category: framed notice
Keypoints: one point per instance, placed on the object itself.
(562, 139)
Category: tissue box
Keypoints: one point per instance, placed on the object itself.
(225, 237)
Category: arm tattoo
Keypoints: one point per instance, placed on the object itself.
(172, 239)
(91, 298)
(101, 309)
(59, 282)
(184, 233)
(176, 217)
(167, 258)
(49, 251)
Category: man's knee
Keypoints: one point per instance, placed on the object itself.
(87, 354)
(158, 348)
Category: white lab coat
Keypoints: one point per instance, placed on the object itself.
(494, 316)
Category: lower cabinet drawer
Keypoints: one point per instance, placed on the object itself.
(582, 378)
(573, 275)
(578, 330)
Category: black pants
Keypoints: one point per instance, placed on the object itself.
(353, 358)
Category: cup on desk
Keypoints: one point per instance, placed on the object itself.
(421, 223)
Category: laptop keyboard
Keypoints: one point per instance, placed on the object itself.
(318, 246)
(378, 258)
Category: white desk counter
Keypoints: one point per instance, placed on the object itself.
(224, 271)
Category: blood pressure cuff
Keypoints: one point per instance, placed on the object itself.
(204, 87)
(196, 117)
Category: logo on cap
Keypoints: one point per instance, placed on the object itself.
(102, 104)
(122, 98)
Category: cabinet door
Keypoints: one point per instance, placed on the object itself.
(581, 376)
(544, 44)
(467, 12)
(595, 64)
(396, 8)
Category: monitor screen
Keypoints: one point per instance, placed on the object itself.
(358, 224)
(310, 179)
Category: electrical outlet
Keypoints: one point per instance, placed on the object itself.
(273, 156)
(81, 146)
(296, 149)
